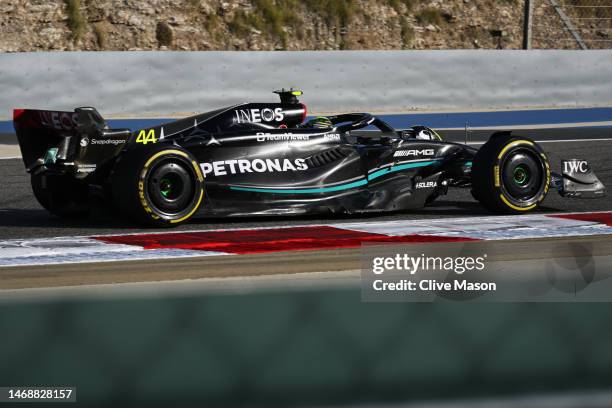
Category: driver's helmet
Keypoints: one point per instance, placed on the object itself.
(424, 134)
(320, 122)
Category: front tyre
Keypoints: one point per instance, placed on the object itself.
(510, 175)
(159, 185)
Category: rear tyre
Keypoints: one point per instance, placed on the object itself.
(159, 186)
(61, 195)
(510, 175)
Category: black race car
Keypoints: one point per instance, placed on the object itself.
(263, 158)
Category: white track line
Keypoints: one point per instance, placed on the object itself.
(71, 250)
(575, 140)
(555, 141)
(561, 141)
(574, 125)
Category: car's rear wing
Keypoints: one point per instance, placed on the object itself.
(39, 130)
(62, 133)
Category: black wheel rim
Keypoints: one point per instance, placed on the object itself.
(523, 175)
(171, 187)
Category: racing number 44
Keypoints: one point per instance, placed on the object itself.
(145, 137)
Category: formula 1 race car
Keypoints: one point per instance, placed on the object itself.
(263, 159)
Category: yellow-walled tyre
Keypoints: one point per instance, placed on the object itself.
(158, 185)
(510, 174)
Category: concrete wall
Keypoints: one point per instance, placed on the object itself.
(143, 83)
(304, 348)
